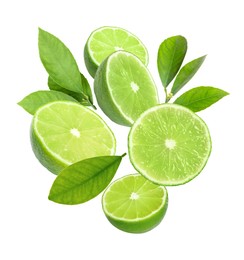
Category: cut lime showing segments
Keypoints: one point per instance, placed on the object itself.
(169, 144)
(134, 204)
(124, 88)
(64, 132)
(106, 40)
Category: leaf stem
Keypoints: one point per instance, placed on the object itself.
(89, 101)
(166, 95)
(124, 154)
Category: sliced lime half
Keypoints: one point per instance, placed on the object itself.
(124, 88)
(106, 40)
(169, 144)
(64, 132)
(134, 204)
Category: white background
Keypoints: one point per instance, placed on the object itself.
(205, 217)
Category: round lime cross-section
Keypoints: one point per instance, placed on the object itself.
(105, 40)
(64, 132)
(169, 144)
(134, 204)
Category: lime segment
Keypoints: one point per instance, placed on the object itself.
(106, 40)
(124, 88)
(66, 132)
(169, 144)
(134, 204)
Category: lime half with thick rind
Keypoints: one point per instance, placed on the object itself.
(64, 132)
(105, 40)
(169, 144)
(124, 88)
(134, 204)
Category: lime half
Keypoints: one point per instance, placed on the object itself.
(64, 132)
(106, 40)
(169, 144)
(124, 88)
(134, 204)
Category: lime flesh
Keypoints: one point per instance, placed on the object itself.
(63, 133)
(134, 204)
(124, 88)
(169, 144)
(106, 40)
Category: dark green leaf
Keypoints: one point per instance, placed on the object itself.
(84, 180)
(59, 62)
(200, 98)
(78, 96)
(86, 88)
(186, 73)
(171, 54)
(39, 98)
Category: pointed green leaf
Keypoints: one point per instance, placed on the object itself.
(59, 62)
(78, 96)
(84, 180)
(200, 98)
(171, 54)
(39, 98)
(86, 88)
(186, 73)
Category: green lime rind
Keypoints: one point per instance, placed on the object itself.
(141, 224)
(169, 170)
(65, 132)
(124, 88)
(109, 37)
(44, 156)
(104, 98)
(89, 62)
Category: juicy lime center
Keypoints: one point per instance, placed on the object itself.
(134, 196)
(117, 48)
(170, 144)
(75, 132)
(134, 86)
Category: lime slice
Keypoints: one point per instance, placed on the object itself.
(134, 204)
(65, 132)
(169, 144)
(106, 40)
(124, 88)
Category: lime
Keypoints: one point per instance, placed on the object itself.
(124, 88)
(169, 144)
(134, 204)
(65, 132)
(106, 40)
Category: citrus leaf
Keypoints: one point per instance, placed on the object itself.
(186, 73)
(88, 101)
(39, 98)
(200, 98)
(171, 54)
(84, 180)
(59, 62)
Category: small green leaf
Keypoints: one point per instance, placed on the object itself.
(84, 180)
(186, 73)
(85, 101)
(59, 62)
(200, 98)
(171, 54)
(86, 88)
(39, 98)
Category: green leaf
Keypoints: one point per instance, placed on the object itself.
(86, 88)
(200, 98)
(171, 54)
(84, 180)
(186, 73)
(85, 101)
(59, 62)
(39, 98)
